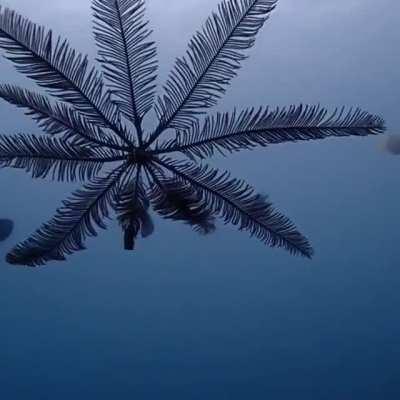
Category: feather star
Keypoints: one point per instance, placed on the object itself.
(94, 131)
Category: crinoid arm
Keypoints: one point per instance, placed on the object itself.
(226, 133)
(58, 119)
(127, 55)
(177, 200)
(56, 67)
(236, 203)
(132, 208)
(75, 221)
(58, 159)
(214, 56)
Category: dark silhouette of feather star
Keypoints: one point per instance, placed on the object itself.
(94, 132)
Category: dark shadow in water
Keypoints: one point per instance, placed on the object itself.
(6, 228)
(392, 145)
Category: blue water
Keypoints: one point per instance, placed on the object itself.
(223, 317)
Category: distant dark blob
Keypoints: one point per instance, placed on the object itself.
(6, 228)
(392, 145)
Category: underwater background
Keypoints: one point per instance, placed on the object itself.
(223, 316)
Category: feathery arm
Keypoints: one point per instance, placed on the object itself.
(131, 206)
(230, 132)
(177, 200)
(128, 58)
(73, 223)
(57, 118)
(58, 68)
(236, 203)
(214, 56)
(55, 158)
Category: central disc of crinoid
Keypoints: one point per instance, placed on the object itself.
(139, 156)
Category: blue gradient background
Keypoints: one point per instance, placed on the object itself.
(223, 317)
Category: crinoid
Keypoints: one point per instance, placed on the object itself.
(94, 126)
